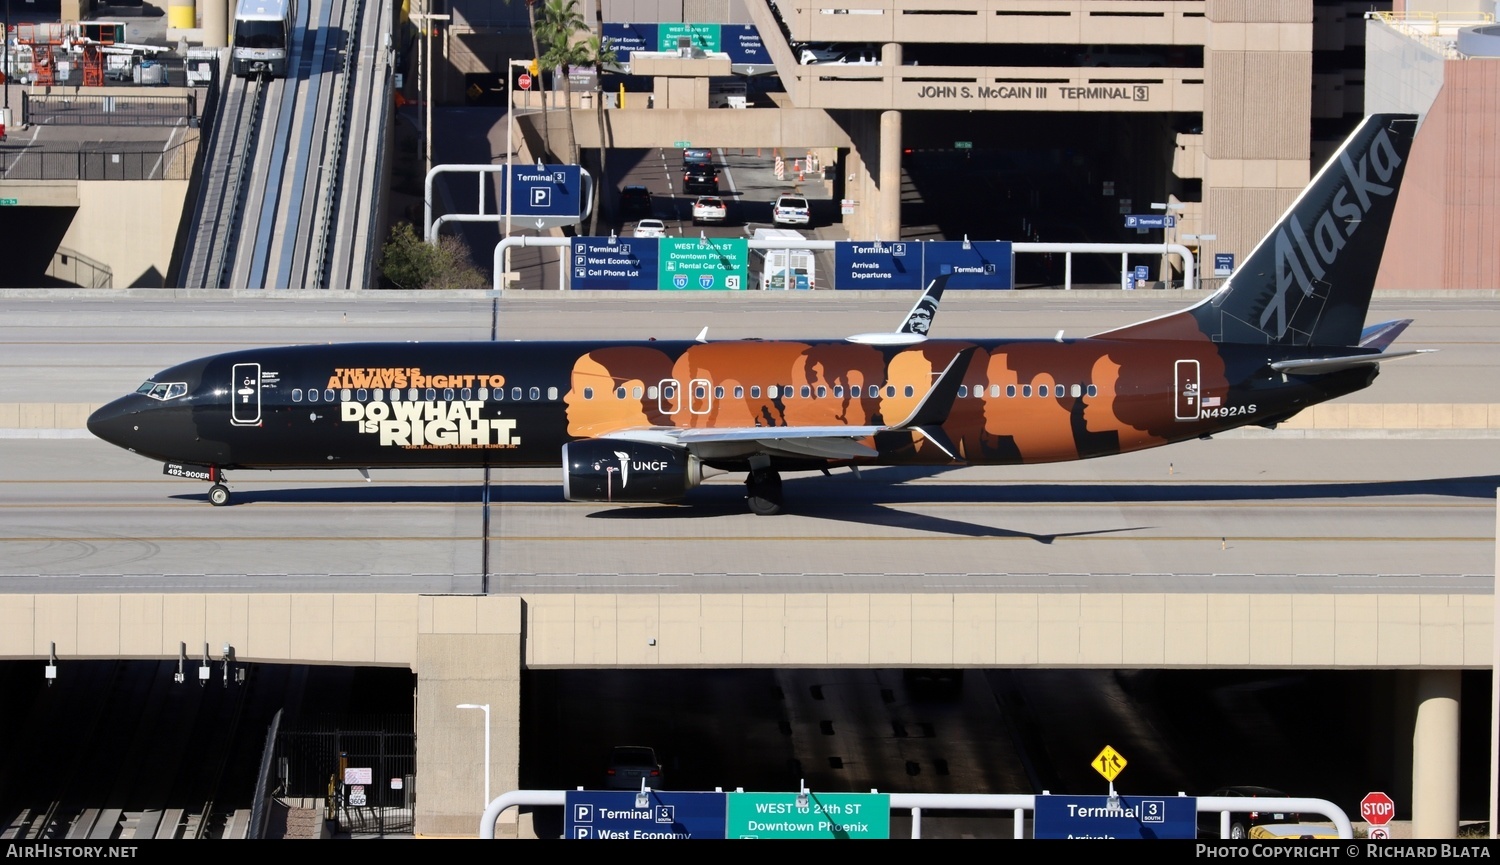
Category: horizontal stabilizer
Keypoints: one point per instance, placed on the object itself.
(1319, 365)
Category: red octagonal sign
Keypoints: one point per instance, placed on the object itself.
(1377, 809)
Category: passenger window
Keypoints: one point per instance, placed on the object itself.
(890, 390)
(963, 390)
(312, 394)
(499, 394)
(669, 392)
(719, 392)
(1010, 390)
(328, 394)
(362, 395)
(699, 392)
(588, 393)
(805, 392)
(739, 391)
(296, 394)
(552, 394)
(908, 390)
(771, 392)
(344, 394)
(466, 394)
(411, 393)
(536, 394)
(854, 391)
(1075, 391)
(619, 393)
(431, 394)
(838, 391)
(448, 394)
(755, 391)
(379, 394)
(1041, 390)
(1093, 390)
(651, 392)
(635, 391)
(1025, 390)
(515, 394)
(822, 391)
(484, 394)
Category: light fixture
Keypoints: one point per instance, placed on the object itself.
(966, 242)
(50, 672)
(643, 798)
(802, 795)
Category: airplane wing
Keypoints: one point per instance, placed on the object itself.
(822, 442)
(914, 327)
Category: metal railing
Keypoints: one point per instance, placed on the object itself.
(103, 161)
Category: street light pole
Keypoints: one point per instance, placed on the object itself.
(510, 152)
(486, 708)
(5, 43)
(1198, 240)
(427, 19)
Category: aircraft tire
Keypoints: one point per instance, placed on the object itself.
(763, 493)
(218, 495)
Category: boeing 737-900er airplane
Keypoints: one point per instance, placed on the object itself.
(647, 421)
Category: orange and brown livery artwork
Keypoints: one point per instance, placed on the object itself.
(648, 421)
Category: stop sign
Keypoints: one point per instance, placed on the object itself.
(524, 80)
(1377, 809)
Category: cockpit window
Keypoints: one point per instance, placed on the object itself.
(163, 390)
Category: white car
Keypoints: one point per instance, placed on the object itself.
(791, 210)
(709, 208)
(650, 228)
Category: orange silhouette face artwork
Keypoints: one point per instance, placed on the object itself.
(830, 371)
(612, 389)
(1101, 412)
(1039, 425)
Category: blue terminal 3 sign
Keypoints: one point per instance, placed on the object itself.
(1093, 817)
(694, 264)
(866, 264)
(614, 263)
(546, 196)
(600, 815)
(976, 264)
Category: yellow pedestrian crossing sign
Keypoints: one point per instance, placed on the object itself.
(1109, 763)
(534, 68)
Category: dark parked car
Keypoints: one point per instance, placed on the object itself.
(635, 201)
(631, 766)
(1240, 822)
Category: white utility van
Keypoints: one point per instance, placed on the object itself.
(788, 267)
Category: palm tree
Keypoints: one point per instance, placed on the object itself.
(536, 52)
(600, 54)
(558, 30)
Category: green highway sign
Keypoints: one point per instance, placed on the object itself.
(703, 36)
(698, 264)
(682, 145)
(9, 202)
(826, 815)
(963, 145)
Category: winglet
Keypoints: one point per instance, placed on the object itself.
(919, 320)
(702, 335)
(914, 327)
(933, 410)
(1380, 336)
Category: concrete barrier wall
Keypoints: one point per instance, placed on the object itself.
(1326, 417)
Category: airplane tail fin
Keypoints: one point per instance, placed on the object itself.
(1308, 282)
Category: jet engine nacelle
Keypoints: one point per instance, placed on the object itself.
(603, 470)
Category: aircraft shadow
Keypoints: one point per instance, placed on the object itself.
(878, 498)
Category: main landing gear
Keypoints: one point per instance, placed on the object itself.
(763, 492)
(218, 495)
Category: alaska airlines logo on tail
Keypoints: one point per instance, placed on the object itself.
(1303, 260)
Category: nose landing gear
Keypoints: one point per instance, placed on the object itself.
(218, 495)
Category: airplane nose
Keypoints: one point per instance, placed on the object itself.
(114, 423)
